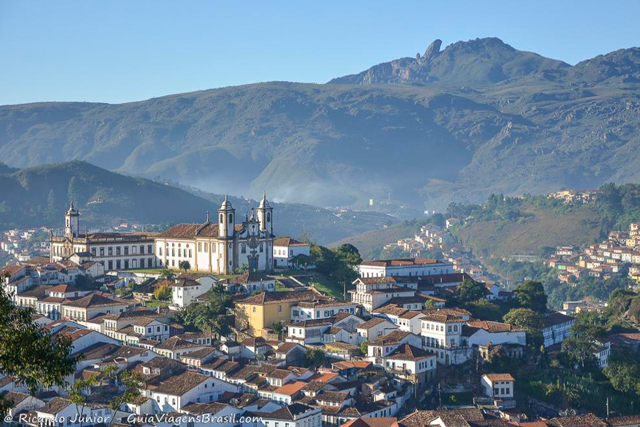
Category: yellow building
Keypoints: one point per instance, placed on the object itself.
(258, 313)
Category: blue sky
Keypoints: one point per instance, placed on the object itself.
(119, 51)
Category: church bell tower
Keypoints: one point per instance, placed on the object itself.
(265, 215)
(72, 222)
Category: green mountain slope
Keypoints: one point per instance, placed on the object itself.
(476, 118)
(40, 195)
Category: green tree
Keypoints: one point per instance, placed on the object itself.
(485, 310)
(623, 372)
(167, 274)
(338, 264)
(278, 327)
(531, 295)
(364, 347)
(469, 290)
(184, 265)
(301, 260)
(133, 383)
(28, 352)
(529, 320)
(80, 391)
(209, 316)
(587, 329)
(162, 293)
(314, 358)
(348, 254)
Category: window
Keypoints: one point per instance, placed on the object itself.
(142, 249)
(261, 247)
(254, 309)
(279, 307)
(93, 251)
(149, 249)
(117, 250)
(118, 265)
(243, 248)
(199, 246)
(110, 251)
(126, 250)
(160, 251)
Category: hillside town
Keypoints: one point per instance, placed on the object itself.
(431, 237)
(618, 255)
(210, 322)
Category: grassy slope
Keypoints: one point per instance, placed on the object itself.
(546, 228)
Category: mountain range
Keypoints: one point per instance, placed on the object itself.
(416, 133)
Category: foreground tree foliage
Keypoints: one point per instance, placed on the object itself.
(29, 353)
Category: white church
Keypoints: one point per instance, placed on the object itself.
(221, 247)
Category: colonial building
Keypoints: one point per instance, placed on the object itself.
(404, 267)
(286, 249)
(115, 251)
(221, 247)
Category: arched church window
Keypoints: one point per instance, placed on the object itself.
(268, 216)
(230, 218)
(221, 217)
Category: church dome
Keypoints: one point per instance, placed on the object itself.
(226, 204)
(264, 203)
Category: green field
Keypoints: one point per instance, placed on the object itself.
(323, 284)
(155, 303)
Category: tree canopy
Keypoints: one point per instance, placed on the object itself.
(209, 316)
(531, 295)
(28, 352)
(469, 290)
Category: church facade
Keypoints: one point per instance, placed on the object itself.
(115, 251)
(223, 246)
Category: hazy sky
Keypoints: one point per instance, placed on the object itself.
(119, 51)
